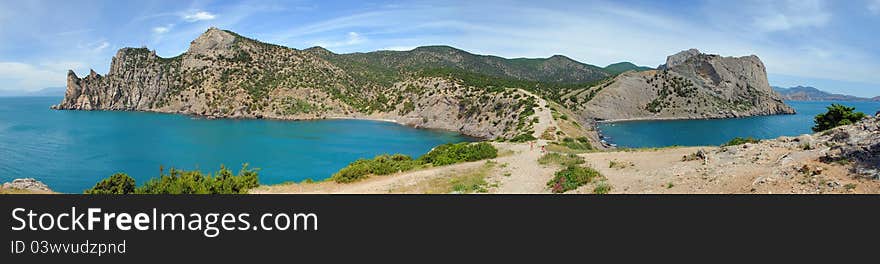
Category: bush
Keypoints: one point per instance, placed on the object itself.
(461, 152)
(739, 141)
(602, 188)
(525, 137)
(195, 182)
(182, 182)
(571, 178)
(561, 159)
(119, 183)
(837, 115)
(441, 155)
(581, 143)
(380, 165)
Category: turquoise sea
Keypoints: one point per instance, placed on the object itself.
(716, 132)
(72, 150)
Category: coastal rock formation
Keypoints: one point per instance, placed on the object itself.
(27, 184)
(224, 75)
(858, 143)
(691, 85)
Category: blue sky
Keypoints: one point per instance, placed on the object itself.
(828, 44)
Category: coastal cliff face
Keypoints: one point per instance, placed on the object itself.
(224, 75)
(691, 85)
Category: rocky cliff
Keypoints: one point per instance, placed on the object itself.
(691, 85)
(224, 75)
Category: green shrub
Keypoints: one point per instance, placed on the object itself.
(525, 137)
(561, 159)
(380, 165)
(461, 152)
(739, 141)
(119, 183)
(581, 143)
(195, 182)
(181, 182)
(602, 188)
(571, 178)
(441, 155)
(837, 115)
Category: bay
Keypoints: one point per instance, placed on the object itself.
(72, 150)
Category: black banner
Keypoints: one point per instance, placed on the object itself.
(420, 228)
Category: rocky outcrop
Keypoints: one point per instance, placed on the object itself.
(138, 80)
(27, 184)
(691, 85)
(858, 144)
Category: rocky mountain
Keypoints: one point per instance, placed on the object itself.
(806, 93)
(691, 85)
(225, 75)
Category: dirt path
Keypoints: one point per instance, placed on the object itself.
(516, 171)
(544, 114)
(522, 174)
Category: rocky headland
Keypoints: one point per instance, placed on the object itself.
(225, 75)
(691, 85)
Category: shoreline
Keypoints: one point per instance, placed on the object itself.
(290, 119)
(638, 119)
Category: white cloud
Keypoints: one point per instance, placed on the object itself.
(162, 29)
(94, 47)
(101, 46)
(874, 6)
(791, 14)
(199, 16)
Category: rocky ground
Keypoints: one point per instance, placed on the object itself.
(25, 186)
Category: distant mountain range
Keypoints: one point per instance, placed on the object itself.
(51, 91)
(806, 93)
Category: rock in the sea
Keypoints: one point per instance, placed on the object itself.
(29, 184)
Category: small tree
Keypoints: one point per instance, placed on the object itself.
(119, 183)
(837, 115)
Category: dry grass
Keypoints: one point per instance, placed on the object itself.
(467, 181)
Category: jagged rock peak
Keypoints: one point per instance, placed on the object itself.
(679, 58)
(212, 40)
